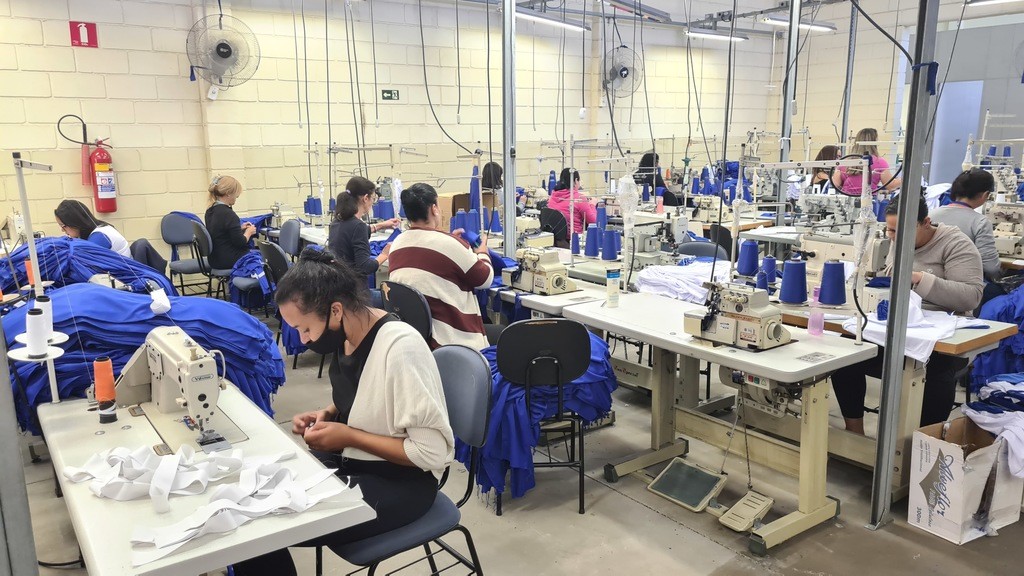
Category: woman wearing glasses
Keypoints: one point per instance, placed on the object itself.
(349, 237)
(77, 221)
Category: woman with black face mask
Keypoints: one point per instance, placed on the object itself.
(387, 430)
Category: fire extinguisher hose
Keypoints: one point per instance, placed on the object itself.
(86, 172)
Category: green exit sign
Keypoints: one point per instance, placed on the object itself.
(389, 94)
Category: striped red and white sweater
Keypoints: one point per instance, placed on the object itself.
(446, 271)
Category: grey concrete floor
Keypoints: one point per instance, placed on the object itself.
(626, 528)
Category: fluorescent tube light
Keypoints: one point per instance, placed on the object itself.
(639, 9)
(708, 34)
(989, 2)
(543, 18)
(810, 25)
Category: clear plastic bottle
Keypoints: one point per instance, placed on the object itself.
(816, 318)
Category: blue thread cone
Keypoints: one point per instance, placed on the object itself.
(318, 207)
(1006, 151)
(762, 280)
(696, 188)
(608, 251)
(746, 265)
(474, 189)
(768, 266)
(334, 204)
(647, 192)
(486, 219)
(593, 244)
(460, 219)
(473, 221)
(495, 226)
(618, 242)
(387, 210)
(451, 224)
(991, 150)
(833, 284)
(794, 282)
(882, 205)
(602, 217)
(551, 182)
(575, 243)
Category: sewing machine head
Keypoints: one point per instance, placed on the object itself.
(820, 248)
(179, 376)
(740, 316)
(709, 208)
(540, 272)
(1008, 227)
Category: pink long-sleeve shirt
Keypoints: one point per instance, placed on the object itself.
(584, 212)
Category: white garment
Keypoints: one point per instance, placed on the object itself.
(1010, 427)
(924, 329)
(933, 195)
(117, 242)
(682, 282)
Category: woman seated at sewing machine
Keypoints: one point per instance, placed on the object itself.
(948, 276)
(387, 430)
(77, 221)
(820, 177)
(568, 191)
(230, 238)
(849, 180)
(649, 172)
(349, 237)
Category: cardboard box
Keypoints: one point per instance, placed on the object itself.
(950, 479)
(452, 202)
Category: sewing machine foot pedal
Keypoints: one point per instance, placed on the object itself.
(688, 485)
(212, 442)
(747, 512)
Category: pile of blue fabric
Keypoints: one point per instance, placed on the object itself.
(513, 432)
(250, 266)
(105, 322)
(1009, 356)
(66, 261)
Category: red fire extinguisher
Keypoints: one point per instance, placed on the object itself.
(104, 183)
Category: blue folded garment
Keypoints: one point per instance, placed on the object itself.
(880, 282)
(101, 321)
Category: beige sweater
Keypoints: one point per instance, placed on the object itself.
(951, 273)
(400, 396)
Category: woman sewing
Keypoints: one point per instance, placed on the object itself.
(229, 237)
(387, 429)
(349, 236)
(849, 180)
(76, 221)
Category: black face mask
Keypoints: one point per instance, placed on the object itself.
(330, 341)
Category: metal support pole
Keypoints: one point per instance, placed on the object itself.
(508, 103)
(848, 89)
(789, 90)
(895, 336)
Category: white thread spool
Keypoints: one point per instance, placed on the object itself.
(43, 303)
(35, 329)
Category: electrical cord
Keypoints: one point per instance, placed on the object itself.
(647, 99)
(298, 87)
(458, 61)
(305, 81)
(868, 17)
(725, 137)
(357, 120)
(583, 61)
(949, 64)
(633, 93)
(426, 86)
(85, 134)
(604, 81)
(490, 114)
(327, 67)
(892, 58)
(693, 82)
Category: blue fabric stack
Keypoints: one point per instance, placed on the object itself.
(513, 432)
(70, 261)
(105, 322)
(250, 266)
(1009, 356)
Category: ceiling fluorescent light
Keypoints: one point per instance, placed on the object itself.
(808, 24)
(543, 18)
(639, 9)
(708, 34)
(989, 2)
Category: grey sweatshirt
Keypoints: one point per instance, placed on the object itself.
(950, 266)
(977, 227)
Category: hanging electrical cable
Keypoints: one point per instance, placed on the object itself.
(533, 80)
(892, 67)
(357, 119)
(327, 66)
(647, 98)
(373, 58)
(633, 93)
(693, 83)
(426, 85)
(949, 66)
(458, 64)
(583, 65)
(490, 114)
(298, 87)
(305, 81)
(604, 81)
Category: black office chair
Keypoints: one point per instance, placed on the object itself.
(204, 247)
(493, 333)
(697, 248)
(548, 352)
(409, 305)
(277, 261)
(176, 230)
(722, 236)
(554, 221)
(466, 379)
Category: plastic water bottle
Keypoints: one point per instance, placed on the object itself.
(816, 318)
(612, 287)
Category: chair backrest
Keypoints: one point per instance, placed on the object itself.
(203, 246)
(144, 253)
(703, 249)
(276, 259)
(553, 221)
(466, 378)
(721, 236)
(176, 230)
(544, 352)
(409, 305)
(289, 238)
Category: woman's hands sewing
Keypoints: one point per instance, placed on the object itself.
(328, 436)
(302, 422)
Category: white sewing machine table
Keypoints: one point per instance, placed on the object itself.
(552, 305)
(658, 321)
(104, 527)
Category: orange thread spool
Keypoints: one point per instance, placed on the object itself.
(103, 369)
(30, 272)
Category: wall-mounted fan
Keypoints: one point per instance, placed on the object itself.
(624, 71)
(222, 50)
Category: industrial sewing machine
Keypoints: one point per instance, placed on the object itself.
(820, 248)
(648, 250)
(279, 214)
(540, 272)
(176, 376)
(1008, 228)
(709, 209)
(740, 316)
(827, 210)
